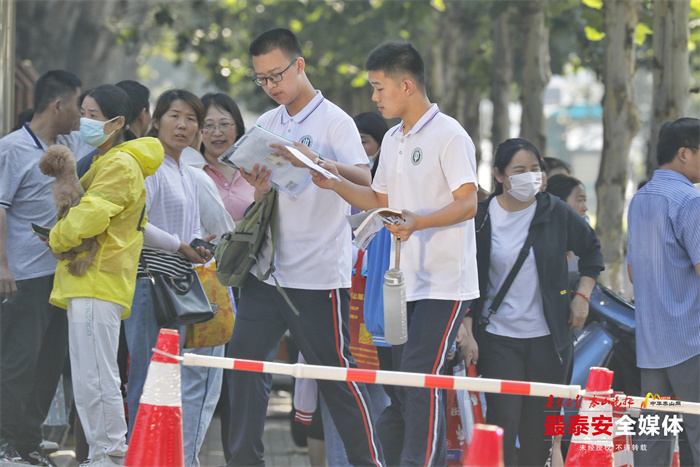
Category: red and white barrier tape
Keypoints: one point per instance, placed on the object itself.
(419, 380)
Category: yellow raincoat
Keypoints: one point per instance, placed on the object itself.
(114, 199)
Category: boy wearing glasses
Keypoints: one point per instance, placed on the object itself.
(427, 169)
(313, 263)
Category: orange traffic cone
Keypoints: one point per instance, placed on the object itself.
(157, 435)
(676, 460)
(622, 450)
(591, 443)
(486, 447)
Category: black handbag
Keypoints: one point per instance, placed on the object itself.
(179, 300)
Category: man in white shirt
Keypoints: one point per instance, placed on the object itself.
(427, 169)
(313, 263)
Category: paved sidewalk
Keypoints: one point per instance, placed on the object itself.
(280, 449)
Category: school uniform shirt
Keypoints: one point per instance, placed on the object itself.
(314, 250)
(419, 171)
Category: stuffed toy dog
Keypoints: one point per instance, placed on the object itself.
(59, 162)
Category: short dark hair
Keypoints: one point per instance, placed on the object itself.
(54, 84)
(138, 98)
(165, 101)
(561, 185)
(551, 163)
(225, 103)
(371, 123)
(113, 102)
(681, 133)
(504, 154)
(396, 58)
(23, 117)
(278, 38)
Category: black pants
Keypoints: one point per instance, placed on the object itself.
(533, 359)
(33, 342)
(413, 427)
(321, 333)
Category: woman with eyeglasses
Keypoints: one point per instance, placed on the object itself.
(223, 126)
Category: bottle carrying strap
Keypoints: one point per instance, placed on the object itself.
(397, 258)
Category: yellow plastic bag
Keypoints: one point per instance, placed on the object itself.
(218, 330)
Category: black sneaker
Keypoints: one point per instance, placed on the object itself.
(38, 457)
(8, 453)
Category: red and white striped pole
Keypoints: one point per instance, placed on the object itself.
(397, 378)
(418, 380)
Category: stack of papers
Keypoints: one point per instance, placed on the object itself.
(254, 148)
(367, 224)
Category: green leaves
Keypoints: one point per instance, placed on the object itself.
(593, 35)
(641, 33)
(595, 4)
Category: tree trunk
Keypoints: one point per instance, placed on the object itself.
(78, 37)
(501, 78)
(449, 69)
(470, 117)
(670, 69)
(536, 72)
(620, 124)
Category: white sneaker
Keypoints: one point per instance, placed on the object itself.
(48, 446)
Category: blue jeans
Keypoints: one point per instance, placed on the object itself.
(141, 332)
(200, 386)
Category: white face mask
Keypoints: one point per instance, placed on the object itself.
(525, 186)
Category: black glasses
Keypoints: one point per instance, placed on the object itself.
(224, 127)
(274, 77)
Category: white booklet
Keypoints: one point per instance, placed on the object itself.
(307, 162)
(368, 223)
(254, 148)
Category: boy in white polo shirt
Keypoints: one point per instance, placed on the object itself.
(312, 261)
(427, 169)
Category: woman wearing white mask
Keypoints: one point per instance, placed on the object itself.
(112, 210)
(528, 337)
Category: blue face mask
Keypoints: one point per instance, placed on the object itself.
(93, 131)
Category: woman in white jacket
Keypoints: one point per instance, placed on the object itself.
(173, 222)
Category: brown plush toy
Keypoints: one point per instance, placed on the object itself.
(59, 162)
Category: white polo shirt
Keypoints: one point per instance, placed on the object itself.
(419, 171)
(314, 249)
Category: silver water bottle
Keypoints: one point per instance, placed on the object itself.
(395, 317)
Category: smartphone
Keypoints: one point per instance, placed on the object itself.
(42, 232)
(199, 242)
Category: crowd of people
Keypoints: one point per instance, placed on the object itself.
(487, 271)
